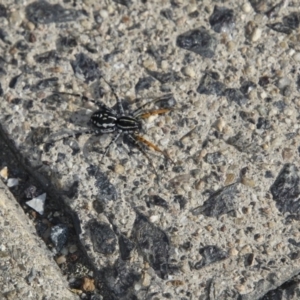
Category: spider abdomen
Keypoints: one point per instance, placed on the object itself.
(126, 123)
(104, 121)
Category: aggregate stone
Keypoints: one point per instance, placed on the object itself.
(103, 237)
(44, 13)
(286, 190)
(221, 202)
(85, 68)
(222, 19)
(199, 41)
(153, 244)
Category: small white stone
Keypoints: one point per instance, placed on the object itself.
(154, 218)
(188, 71)
(38, 203)
(296, 56)
(256, 35)
(247, 8)
(104, 13)
(11, 182)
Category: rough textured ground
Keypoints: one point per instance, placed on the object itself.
(219, 223)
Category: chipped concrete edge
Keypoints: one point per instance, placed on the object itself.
(27, 267)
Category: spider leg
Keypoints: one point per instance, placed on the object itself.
(153, 146)
(120, 106)
(139, 110)
(150, 113)
(86, 99)
(113, 140)
(132, 138)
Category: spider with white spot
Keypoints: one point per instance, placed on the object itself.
(105, 120)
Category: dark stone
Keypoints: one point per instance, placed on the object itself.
(21, 45)
(85, 68)
(165, 77)
(215, 158)
(210, 254)
(263, 81)
(13, 82)
(273, 295)
(52, 99)
(293, 242)
(199, 41)
(236, 96)
(47, 57)
(286, 190)
(292, 20)
(273, 11)
(159, 201)
(181, 200)
(4, 37)
(242, 142)
(144, 84)
(263, 123)
(280, 27)
(194, 14)
(72, 190)
(126, 246)
(166, 101)
(219, 203)
(222, 19)
(103, 238)
(43, 12)
(269, 174)
(249, 258)
(1, 90)
(153, 244)
(65, 43)
(247, 87)
(109, 56)
(60, 157)
(167, 13)
(127, 3)
(118, 281)
(45, 83)
(211, 86)
(37, 135)
(3, 11)
(106, 191)
(247, 116)
(281, 105)
(59, 236)
(99, 206)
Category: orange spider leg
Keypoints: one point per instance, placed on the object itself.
(151, 145)
(154, 112)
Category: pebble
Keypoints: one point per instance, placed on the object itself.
(119, 169)
(88, 284)
(38, 203)
(189, 71)
(296, 56)
(11, 182)
(287, 153)
(104, 13)
(247, 8)
(4, 173)
(60, 259)
(256, 34)
(73, 249)
(16, 18)
(146, 281)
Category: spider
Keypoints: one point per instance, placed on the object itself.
(105, 120)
